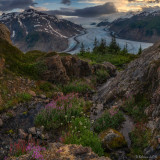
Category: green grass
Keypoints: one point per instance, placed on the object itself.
(76, 87)
(16, 99)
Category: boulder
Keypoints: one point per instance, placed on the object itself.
(112, 140)
(22, 134)
(55, 72)
(32, 130)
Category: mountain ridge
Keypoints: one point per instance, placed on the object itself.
(34, 30)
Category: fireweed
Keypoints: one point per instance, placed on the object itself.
(61, 111)
(22, 147)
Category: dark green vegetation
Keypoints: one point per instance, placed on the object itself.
(111, 53)
(109, 120)
(136, 106)
(20, 63)
(79, 133)
(140, 138)
(150, 24)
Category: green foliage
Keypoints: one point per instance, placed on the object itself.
(60, 112)
(18, 98)
(140, 138)
(76, 87)
(140, 50)
(108, 121)
(80, 133)
(46, 87)
(135, 107)
(116, 59)
(101, 75)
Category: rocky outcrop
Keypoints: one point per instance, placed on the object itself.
(55, 72)
(76, 67)
(64, 152)
(60, 69)
(141, 74)
(4, 33)
(141, 77)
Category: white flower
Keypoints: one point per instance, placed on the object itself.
(85, 127)
(80, 123)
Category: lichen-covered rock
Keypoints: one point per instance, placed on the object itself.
(58, 151)
(112, 140)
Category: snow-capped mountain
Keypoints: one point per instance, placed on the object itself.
(34, 30)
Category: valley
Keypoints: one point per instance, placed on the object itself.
(91, 33)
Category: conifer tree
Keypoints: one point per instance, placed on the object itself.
(140, 50)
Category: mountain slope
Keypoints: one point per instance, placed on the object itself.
(33, 30)
(141, 27)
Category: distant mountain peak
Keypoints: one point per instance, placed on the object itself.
(32, 29)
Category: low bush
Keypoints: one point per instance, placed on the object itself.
(102, 75)
(140, 139)
(111, 119)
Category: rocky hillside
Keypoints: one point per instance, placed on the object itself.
(141, 27)
(33, 30)
(4, 33)
(127, 90)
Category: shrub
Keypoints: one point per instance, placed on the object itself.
(46, 87)
(135, 107)
(102, 75)
(140, 139)
(79, 133)
(60, 111)
(111, 119)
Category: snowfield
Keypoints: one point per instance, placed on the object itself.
(101, 32)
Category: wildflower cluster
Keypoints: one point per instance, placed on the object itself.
(60, 111)
(18, 148)
(23, 147)
(35, 151)
(113, 111)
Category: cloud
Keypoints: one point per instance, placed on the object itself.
(67, 2)
(95, 11)
(7, 5)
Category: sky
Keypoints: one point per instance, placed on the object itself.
(81, 8)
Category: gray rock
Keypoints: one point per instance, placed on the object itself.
(22, 134)
(32, 130)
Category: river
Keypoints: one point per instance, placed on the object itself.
(88, 37)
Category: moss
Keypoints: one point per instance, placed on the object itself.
(118, 141)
